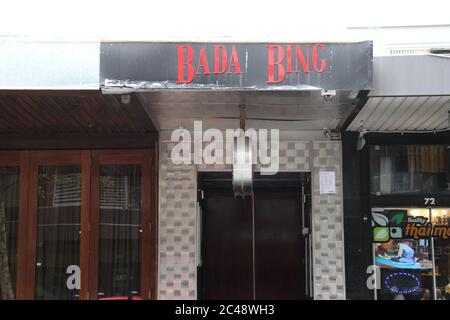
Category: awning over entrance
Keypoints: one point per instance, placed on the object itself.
(410, 94)
(293, 110)
(288, 86)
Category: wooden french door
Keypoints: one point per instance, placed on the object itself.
(122, 235)
(87, 224)
(58, 187)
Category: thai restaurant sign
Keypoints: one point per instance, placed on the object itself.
(236, 66)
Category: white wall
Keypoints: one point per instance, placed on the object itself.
(231, 20)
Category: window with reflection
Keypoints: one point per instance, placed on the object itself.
(120, 229)
(58, 232)
(9, 213)
(413, 262)
(410, 169)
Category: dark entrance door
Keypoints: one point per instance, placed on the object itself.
(254, 248)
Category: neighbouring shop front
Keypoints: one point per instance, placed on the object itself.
(118, 176)
(397, 196)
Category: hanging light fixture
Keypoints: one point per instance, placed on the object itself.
(242, 166)
(242, 161)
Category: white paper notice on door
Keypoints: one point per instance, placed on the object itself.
(327, 181)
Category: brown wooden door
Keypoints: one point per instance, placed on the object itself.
(57, 185)
(279, 247)
(228, 250)
(253, 248)
(123, 238)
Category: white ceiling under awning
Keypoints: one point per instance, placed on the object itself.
(403, 113)
(283, 110)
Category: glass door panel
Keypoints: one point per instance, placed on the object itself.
(120, 228)
(58, 232)
(9, 214)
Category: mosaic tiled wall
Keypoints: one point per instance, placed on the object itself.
(177, 219)
(327, 215)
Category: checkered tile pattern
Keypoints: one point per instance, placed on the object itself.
(177, 218)
(328, 243)
(177, 228)
(294, 156)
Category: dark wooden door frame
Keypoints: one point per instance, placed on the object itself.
(89, 160)
(149, 218)
(21, 160)
(39, 158)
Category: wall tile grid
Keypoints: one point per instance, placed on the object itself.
(177, 218)
(327, 216)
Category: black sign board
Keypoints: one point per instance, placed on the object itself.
(236, 66)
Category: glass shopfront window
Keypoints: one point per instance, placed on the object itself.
(120, 229)
(409, 169)
(9, 212)
(412, 259)
(58, 231)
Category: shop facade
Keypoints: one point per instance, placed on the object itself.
(118, 177)
(97, 206)
(197, 257)
(398, 179)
